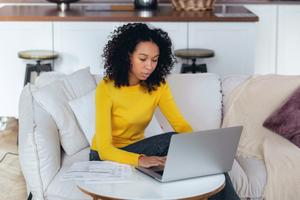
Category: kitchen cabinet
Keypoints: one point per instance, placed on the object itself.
(81, 44)
(288, 39)
(277, 46)
(266, 38)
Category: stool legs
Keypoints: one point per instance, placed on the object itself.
(43, 67)
(202, 68)
(36, 68)
(29, 69)
(185, 68)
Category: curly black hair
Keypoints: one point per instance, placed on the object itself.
(122, 44)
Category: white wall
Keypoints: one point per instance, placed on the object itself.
(80, 44)
(278, 39)
(288, 60)
(14, 37)
(266, 36)
(233, 43)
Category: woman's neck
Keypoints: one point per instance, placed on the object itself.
(133, 80)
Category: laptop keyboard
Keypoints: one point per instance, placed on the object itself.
(160, 172)
(158, 169)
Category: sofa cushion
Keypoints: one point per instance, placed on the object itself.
(54, 98)
(199, 99)
(248, 177)
(60, 189)
(285, 121)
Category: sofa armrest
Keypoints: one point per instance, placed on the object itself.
(39, 145)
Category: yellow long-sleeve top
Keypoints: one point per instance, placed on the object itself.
(122, 114)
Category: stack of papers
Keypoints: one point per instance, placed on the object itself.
(99, 171)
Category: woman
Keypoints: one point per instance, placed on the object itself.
(137, 61)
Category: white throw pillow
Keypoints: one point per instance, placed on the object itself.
(54, 98)
(84, 110)
(46, 78)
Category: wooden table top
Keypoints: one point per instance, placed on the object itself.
(123, 12)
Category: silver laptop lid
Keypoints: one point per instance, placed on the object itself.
(201, 153)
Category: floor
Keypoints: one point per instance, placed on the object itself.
(12, 183)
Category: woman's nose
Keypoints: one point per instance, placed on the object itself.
(148, 64)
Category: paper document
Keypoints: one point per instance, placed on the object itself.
(100, 171)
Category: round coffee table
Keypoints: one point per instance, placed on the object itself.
(141, 186)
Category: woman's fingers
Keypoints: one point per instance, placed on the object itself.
(151, 161)
(161, 160)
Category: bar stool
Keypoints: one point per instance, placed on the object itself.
(38, 56)
(194, 54)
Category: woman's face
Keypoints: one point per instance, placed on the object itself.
(143, 62)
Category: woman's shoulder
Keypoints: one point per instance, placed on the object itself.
(105, 83)
(163, 85)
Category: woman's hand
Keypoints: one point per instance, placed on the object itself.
(151, 161)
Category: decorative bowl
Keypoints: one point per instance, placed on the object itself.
(63, 4)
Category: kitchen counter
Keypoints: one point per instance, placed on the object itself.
(123, 12)
(161, 1)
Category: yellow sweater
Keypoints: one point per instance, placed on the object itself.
(122, 114)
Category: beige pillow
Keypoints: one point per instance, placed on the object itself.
(54, 98)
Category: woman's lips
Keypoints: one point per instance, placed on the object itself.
(145, 75)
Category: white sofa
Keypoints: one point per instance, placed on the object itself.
(201, 98)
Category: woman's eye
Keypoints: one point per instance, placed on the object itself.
(154, 60)
(142, 59)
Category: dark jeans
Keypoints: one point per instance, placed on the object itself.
(158, 145)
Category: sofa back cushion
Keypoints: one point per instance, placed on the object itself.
(229, 84)
(199, 99)
(54, 98)
(39, 145)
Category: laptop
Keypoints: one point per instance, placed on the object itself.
(196, 154)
